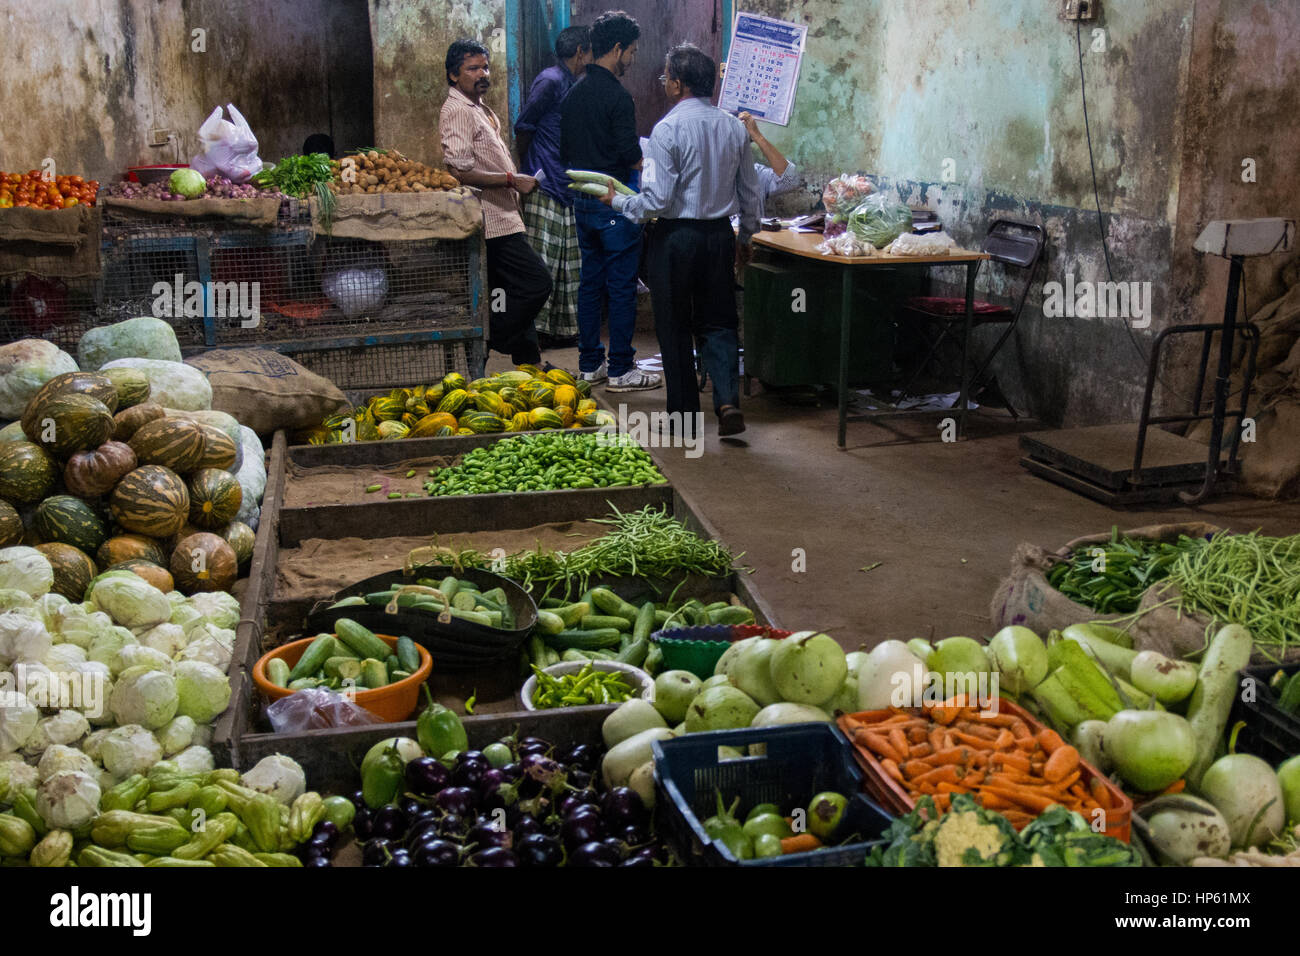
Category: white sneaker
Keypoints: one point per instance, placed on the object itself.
(596, 377)
(633, 381)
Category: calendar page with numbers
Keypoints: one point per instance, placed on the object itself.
(763, 67)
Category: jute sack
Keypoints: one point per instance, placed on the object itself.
(1024, 597)
(266, 390)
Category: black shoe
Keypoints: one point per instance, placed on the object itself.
(730, 421)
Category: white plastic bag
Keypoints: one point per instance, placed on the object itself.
(229, 149)
(926, 244)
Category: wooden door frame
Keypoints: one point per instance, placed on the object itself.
(514, 53)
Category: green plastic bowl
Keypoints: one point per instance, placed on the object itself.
(698, 649)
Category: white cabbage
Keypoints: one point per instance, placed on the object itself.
(65, 727)
(144, 696)
(62, 656)
(130, 600)
(279, 776)
(195, 759)
(129, 749)
(25, 569)
(209, 650)
(168, 639)
(23, 638)
(107, 648)
(204, 690)
(68, 800)
(79, 626)
(142, 655)
(218, 607)
(176, 735)
(58, 758)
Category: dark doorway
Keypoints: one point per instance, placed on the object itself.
(350, 77)
(537, 45)
(664, 23)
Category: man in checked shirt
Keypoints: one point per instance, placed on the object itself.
(696, 175)
(519, 282)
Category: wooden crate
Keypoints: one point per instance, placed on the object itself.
(362, 453)
(238, 723)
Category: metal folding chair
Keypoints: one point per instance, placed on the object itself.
(1017, 245)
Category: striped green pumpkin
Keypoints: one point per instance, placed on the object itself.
(171, 442)
(152, 500)
(219, 449)
(241, 539)
(11, 525)
(27, 472)
(73, 569)
(68, 422)
(131, 384)
(215, 497)
(69, 520)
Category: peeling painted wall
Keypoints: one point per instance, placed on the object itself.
(85, 80)
(410, 49)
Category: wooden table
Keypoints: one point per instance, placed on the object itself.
(804, 245)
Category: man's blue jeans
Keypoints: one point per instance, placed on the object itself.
(611, 249)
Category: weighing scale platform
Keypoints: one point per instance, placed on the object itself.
(1098, 462)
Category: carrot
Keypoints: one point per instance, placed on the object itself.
(891, 768)
(922, 750)
(881, 746)
(945, 787)
(944, 713)
(1026, 745)
(917, 735)
(1012, 759)
(1101, 793)
(948, 774)
(1063, 786)
(1050, 739)
(897, 740)
(952, 755)
(991, 801)
(1023, 796)
(914, 768)
(936, 739)
(1004, 740)
(998, 720)
(1063, 762)
(1176, 787)
(1020, 730)
(923, 787)
(975, 730)
(943, 802)
(800, 843)
(977, 742)
(1018, 818)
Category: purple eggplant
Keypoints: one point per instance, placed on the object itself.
(437, 853)
(580, 778)
(618, 846)
(427, 776)
(632, 836)
(593, 853)
(363, 824)
(452, 826)
(582, 757)
(646, 856)
(484, 836)
(536, 743)
(375, 852)
(580, 829)
(526, 826)
(623, 807)
(458, 800)
(316, 861)
(494, 857)
(420, 832)
(401, 859)
(328, 828)
(320, 840)
(410, 806)
(390, 822)
(513, 770)
(358, 799)
(537, 849)
(469, 774)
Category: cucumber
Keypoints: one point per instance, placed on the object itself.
(342, 650)
(399, 675)
(464, 600)
(498, 595)
(634, 652)
(360, 639)
(610, 603)
(304, 683)
(344, 668)
(494, 619)
(449, 586)
(408, 654)
(572, 614)
(716, 605)
(585, 640)
(550, 603)
(392, 662)
(549, 623)
(645, 622)
(1289, 699)
(594, 622)
(661, 617)
(373, 673)
(277, 672)
(552, 657)
(536, 650)
(473, 617)
(575, 655)
(313, 659)
(730, 614)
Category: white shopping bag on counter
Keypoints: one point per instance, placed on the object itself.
(227, 148)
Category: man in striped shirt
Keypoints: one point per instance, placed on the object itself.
(696, 175)
(519, 282)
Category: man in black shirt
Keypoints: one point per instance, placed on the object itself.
(598, 133)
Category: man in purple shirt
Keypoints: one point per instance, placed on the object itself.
(548, 210)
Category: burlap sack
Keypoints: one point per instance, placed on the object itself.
(250, 212)
(57, 244)
(266, 390)
(1024, 596)
(379, 217)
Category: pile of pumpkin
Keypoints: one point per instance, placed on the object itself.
(523, 400)
(107, 481)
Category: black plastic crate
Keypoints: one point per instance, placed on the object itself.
(799, 761)
(1269, 732)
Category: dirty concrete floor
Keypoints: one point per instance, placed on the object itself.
(942, 519)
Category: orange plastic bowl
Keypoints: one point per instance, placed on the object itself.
(391, 704)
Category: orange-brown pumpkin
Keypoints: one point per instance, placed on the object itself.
(204, 562)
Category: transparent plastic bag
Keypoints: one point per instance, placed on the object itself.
(844, 192)
(879, 220)
(317, 709)
(228, 148)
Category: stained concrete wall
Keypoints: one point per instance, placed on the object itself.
(410, 49)
(84, 80)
